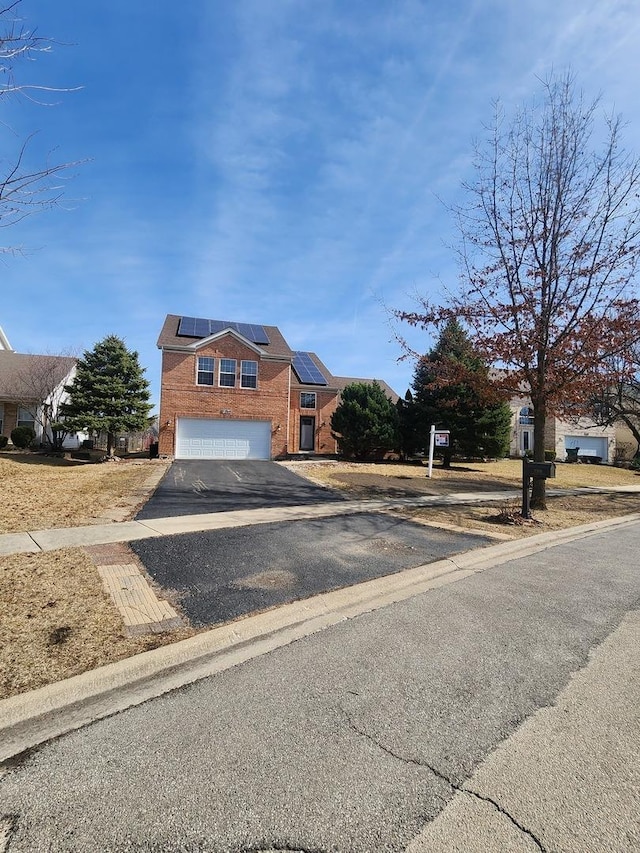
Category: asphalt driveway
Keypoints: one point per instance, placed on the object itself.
(192, 487)
(221, 575)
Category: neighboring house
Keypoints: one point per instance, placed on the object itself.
(31, 389)
(626, 444)
(590, 440)
(237, 390)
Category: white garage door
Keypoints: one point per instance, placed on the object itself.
(589, 445)
(202, 438)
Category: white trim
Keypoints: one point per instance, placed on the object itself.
(228, 372)
(252, 375)
(212, 372)
(4, 342)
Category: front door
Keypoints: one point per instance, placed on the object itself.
(307, 433)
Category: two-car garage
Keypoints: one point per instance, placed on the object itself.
(208, 438)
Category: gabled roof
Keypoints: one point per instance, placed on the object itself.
(170, 339)
(22, 374)
(341, 382)
(324, 370)
(276, 348)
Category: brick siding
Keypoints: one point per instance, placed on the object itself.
(182, 397)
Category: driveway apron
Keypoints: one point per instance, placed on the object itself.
(192, 487)
(222, 575)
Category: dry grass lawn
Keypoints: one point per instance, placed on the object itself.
(57, 620)
(369, 480)
(41, 491)
(500, 519)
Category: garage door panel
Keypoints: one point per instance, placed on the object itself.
(588, 444)
(202, 438)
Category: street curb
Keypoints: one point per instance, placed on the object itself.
(30, 719)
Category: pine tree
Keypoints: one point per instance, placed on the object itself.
(365, 421)
(452, 390)
(109, 392)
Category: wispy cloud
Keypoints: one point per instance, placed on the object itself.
(286, 163)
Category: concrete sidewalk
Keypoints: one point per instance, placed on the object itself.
(128, 531)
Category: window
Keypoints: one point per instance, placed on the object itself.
(227, 373)
(526, 416)
(205, 370)
(25, 418)
(307, 399)
(249, 374)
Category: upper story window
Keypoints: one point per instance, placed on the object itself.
(227, 373)
(205, 370)
(25, 418)
(525, 417)
(249, 374)
(307, 399)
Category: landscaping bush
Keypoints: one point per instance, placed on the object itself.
(22, 437)
(549, 456)
(3, 441)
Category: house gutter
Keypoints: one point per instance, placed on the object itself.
(289, 409)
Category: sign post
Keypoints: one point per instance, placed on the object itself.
(436, 439)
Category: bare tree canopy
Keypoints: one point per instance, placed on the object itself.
(35, 383)
(549, 251)
(619, 399)
(24, 188)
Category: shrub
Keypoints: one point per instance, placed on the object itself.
(635, 463)
(22, 436)
(3, 441)
(549, 456)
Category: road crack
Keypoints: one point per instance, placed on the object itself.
(444, 778)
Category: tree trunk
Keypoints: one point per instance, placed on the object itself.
(109, 444)
(539, 491)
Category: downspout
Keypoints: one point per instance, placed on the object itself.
(286, 447)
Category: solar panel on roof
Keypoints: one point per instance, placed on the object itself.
(306, 369)
(196, 327)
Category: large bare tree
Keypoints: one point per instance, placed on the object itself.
(24, 187)
(37, 387)
(549, 248)
(619, 399)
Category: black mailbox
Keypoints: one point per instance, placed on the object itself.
(541, 470)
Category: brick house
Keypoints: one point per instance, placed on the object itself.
(237, 390)
(592, 442)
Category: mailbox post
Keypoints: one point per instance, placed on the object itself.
(537, 471)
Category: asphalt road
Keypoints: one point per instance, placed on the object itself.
(192, 487)
(356, 738)
(221, 575)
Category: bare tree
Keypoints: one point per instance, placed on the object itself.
(38, 387)
(619, 400)
(549, 248)
(24, 189)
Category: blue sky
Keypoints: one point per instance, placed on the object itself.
(274, 161)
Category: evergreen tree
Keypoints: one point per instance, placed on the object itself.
(407, 441)
(109, 392)
(365, 421)
(452, 390)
